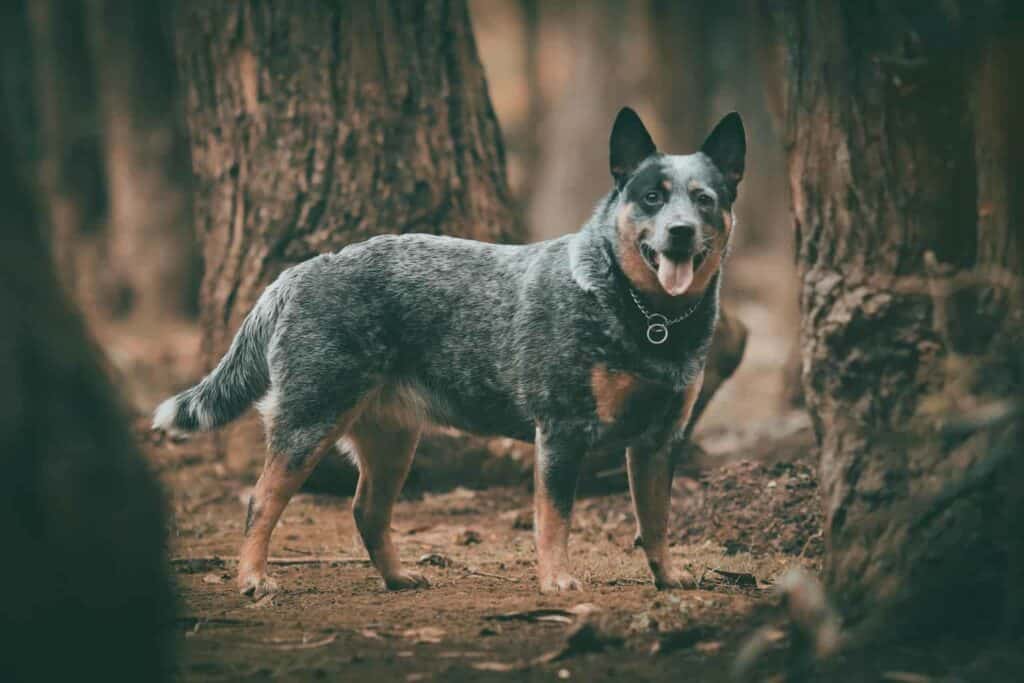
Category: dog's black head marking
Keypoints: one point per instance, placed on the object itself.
(726, 146)
(673, 210)
(630, 144)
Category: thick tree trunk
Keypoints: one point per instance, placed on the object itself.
(81, 518)
(319, 124)
(572, 164)
(153, 251)
(71, 165)
(886, 164)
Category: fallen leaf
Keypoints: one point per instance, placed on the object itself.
(708, 647)
(426, 634)
(523, 520)
(741, 579)
(683, 639)
(905, 677)
(435, 560)
(469, 537)
(563, 616)
(586, 636)
(266, 601)
(584, 609)
(499, 667)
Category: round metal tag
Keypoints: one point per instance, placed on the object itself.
(657, 329)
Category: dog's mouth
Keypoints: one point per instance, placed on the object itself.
(675, 271)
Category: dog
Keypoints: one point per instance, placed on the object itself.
(595, 340)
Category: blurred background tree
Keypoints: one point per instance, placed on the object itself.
(81, 515)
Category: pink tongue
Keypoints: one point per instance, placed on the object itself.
(675, 276)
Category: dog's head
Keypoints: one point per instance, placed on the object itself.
(674, 213)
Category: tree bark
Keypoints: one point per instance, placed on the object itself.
(80, 516)
(153, 251)
(317, 124)
(71, 171)
(886, 133)
(572, 165)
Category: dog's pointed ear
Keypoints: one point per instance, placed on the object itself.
(630, 144)
(727, 148)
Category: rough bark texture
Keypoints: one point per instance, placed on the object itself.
(71, 169)
(80, 512)
(885, 135)
(318, 124)
(153, 251)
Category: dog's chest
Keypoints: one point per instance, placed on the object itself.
(628, 405)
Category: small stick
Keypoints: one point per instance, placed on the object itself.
(477, 572)
(293, 646)
(192, 507)
(312, 559)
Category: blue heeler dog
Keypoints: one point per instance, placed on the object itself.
(595, 340)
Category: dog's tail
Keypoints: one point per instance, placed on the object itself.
(241, 377)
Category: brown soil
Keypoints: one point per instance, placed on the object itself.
(333, 619)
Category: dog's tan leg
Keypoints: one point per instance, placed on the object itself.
(385, 455)
(281, 478)
(554, 484)
(650, 484)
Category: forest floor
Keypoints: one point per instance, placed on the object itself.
(736, 527)
(483, 616)
(743, 512)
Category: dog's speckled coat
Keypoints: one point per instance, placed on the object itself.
(541, 342)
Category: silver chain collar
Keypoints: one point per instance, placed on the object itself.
(658, 324)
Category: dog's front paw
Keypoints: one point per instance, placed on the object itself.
(256, 586)
(560, 582)
(675, 579)
(405, 581)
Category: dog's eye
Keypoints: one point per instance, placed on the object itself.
(704, 200)
(652, 198)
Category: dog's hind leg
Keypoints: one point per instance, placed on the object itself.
(555, 473)
(290, 460)
(385, 452)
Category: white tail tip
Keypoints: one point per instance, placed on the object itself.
(163, 416)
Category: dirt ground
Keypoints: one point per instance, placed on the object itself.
(333, 619)
(483, 618)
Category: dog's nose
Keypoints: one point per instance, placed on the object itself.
(683, 231)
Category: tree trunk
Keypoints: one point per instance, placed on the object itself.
(572, 165)
(71, 171)
(887, 123)
(318, 124)
(81, 518)
(152, 247)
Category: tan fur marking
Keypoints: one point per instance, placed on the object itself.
(611, 391)
(689, 400)
(713, 262)
(650, 485)
(667, 184)
(551, 531)
(385, 453)
(276, 485)
(630, 260)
